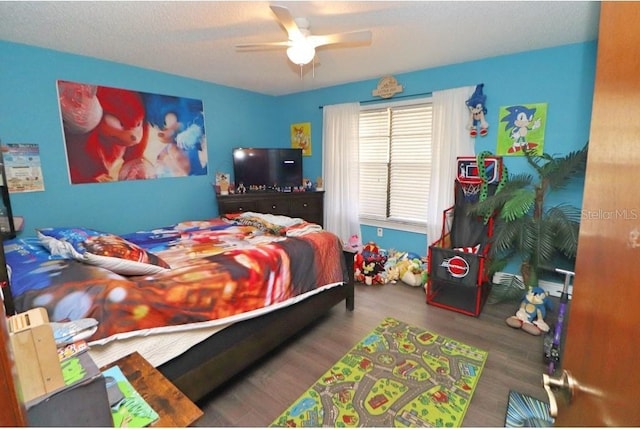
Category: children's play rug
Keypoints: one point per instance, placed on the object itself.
(398, 375)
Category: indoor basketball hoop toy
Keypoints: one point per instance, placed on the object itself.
(475, 174)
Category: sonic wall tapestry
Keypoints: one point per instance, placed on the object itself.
(114, 134)
(521, 127)
(301, 137)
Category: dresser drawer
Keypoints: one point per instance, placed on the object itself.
(305, 204)
(276, 206)
(237, 206)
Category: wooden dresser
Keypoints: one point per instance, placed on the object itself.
(306, 205)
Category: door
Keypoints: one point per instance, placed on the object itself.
(603, 338)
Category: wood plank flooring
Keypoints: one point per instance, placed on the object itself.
(257, 396)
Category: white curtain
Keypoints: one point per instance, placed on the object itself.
(450, 140)
(340, 141)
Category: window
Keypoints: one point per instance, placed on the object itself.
(395, 164)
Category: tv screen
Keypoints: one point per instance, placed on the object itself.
(265, 167)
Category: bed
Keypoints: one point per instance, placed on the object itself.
(200, 300)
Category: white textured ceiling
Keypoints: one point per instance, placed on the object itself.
(197, 39)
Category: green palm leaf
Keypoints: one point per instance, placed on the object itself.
(496, 202)
(520, 203)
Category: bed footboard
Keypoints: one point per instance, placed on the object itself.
(240, 345)
(208, 365)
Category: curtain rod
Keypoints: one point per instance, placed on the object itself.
(373, 100)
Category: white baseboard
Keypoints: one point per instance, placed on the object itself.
(554, 288)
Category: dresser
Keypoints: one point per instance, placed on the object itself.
(306, 205)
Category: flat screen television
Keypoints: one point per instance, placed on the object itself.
(268, 168)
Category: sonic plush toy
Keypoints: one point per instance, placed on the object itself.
(477, 109)
(530, 315)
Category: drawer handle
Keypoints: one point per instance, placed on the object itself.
(273, 206)
(305, 205)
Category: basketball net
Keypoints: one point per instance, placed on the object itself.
(471, 188)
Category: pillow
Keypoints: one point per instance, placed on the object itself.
(26, 251)
(23, 255)
(102, 249)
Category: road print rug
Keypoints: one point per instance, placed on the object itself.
(398, 376)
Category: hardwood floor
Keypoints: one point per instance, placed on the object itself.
(260, 394)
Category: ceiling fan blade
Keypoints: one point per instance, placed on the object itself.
(264, 45)
(287, 21)
(354, 37)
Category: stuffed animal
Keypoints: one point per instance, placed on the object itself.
(391, 272)
(477, 109)
(533, 309)
(414, 272)
(369, 264)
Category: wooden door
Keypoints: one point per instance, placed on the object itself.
(603, 342)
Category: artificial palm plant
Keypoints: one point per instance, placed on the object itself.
(525, 227)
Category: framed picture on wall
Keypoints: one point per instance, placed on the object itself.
(521, 128)
(113, 134)
(301, 137)
(22, 167)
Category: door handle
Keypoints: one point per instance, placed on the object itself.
(564, 386)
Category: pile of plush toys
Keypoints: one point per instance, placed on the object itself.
(373, 265)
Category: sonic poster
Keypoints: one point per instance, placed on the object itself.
(301, 137)
(114, 134)
(521, 127)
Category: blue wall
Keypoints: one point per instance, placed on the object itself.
(29, 114)
(563, 77)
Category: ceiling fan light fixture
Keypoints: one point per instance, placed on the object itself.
(301, 53)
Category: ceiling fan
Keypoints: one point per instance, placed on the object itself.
(301, 46)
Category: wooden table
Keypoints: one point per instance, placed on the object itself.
(174, 408)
